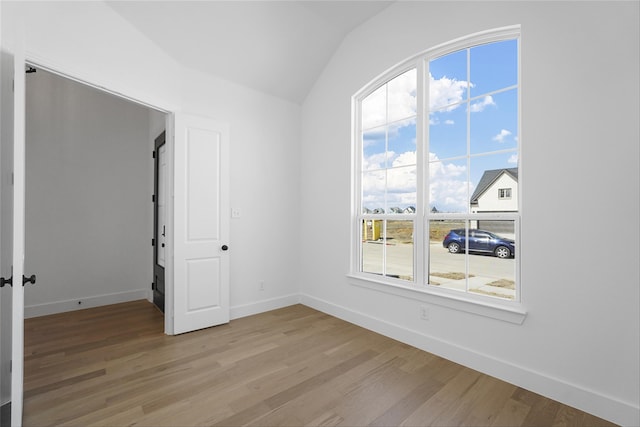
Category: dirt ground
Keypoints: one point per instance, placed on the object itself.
(402, 231)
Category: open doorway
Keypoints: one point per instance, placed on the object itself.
(89, 185)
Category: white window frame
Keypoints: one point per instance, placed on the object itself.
(508, 310)
(504, 193)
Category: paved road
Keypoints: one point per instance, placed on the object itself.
(485, 268)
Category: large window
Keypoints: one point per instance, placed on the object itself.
(436, 171)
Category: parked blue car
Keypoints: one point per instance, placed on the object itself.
(479, 241)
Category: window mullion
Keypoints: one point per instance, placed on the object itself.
(468, 186)
(420, 235)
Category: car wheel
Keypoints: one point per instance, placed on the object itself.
(502, 252)
(454, 247)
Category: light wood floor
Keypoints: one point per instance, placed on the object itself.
(289, 367)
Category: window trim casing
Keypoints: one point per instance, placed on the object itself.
(512, 311)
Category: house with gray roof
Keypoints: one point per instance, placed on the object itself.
(497, 191)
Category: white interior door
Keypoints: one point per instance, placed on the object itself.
(201, 223)
(6, 227)
(17, 325)
(12, 237)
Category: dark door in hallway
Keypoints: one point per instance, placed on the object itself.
(159, 218)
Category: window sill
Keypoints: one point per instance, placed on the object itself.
(508, 311)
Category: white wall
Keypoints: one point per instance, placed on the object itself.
(88, 195)
(265, 135)
(580, 340)
(265, 131)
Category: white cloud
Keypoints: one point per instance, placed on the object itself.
(373, 186)
(405, 159)
(449, 122)
(401, 181)
(502, 135)
(447, 183)
(374, 112)
(513, 159)
(448, 188)
(401, 94)
(397, 185)
(377, 161)
(481, 105)
(393, 101)
(445, 91)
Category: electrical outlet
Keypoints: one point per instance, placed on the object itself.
(261, 285)
(424, 312)
(235, 213)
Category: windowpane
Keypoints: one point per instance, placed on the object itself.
(373, 189)
(447, 267)
(374, 108)
(494, 122)
(401, 189)
(372, 246)
(491, 263)
(402, 143)
(401, 96)
(399, 249)
(448, 186)
(493, 66)
(448, 133)
(374, 152)
(448, 80)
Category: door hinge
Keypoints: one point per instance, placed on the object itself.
(154, 154)
(153, 198)
(153, 242)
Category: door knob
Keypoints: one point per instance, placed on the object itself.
(224, 247)
(31, 280)
(4, 281)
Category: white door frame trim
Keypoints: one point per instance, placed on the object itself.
(169, 111)
(18, 229)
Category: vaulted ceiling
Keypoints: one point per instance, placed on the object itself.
(277, 47)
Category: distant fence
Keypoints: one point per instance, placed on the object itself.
(507, 227)
(402, 231)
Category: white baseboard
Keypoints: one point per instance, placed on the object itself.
(614, 410)
(38, 310)
(257, 307)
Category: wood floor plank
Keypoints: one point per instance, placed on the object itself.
(512, 413)
(113, 366)
(445, 400)
(407, 405)
(543, 413)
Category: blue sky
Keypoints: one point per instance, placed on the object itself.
(473, 106)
